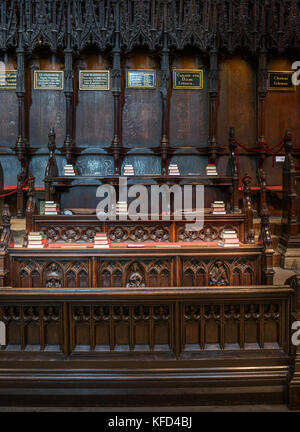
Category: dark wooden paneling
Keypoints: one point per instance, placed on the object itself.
(189, 108)
(154, 344)
(237, 101)
(8, 109)
(47, 107)
(142, 108)
(282, 108)
(94, 109)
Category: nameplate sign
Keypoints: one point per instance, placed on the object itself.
(94, 80)
(280, 81)
(48, 80)
(184, 79)
(8, 80)
(141, 79)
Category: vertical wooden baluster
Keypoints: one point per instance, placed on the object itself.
(69, 94)
(22, 328)
(281, 324)
(22, 145)
(222, 327)
(68, 329)
(164, 91)
(112, 328)
(176, 330)
(248, 210)
(42, 328)
(171, 325)
(261, 325)
(289, 186)
(234, 171)
(131, 328)
(92, 328)
(116, 90)
(262, 93)
(31, 210)
(2, 347)
(213, 94)
(265, 231)
(202, 328)
(151, 336)
(242, 326)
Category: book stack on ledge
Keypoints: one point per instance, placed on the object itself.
(69, 170)
(229, 238)
(211, 170)
(128, 170)
(173, 169)
(218, 208)
(36, 240)
(101, 241)
(189, 213)
(51, 208)
(121, 208)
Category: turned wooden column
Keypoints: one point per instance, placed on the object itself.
(116, 91)
(262, 92)
(6, 240)
(22, 145)
(164, 90)
(31, 209)
(248, 210)
(69, 94)
(234, 172)
(213, 94)
(265, 231)
(290, 220)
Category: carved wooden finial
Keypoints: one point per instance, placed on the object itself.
(6, 236)
(246, 180)
(30, 191)
(262, 177)
(6, 216)
(51, 168)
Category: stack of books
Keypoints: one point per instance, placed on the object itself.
(191, 212)
(101, 241)
(121, 208)
(211, 170)
(229, 238)
(173, 169)
(128, 170)
(69, 170)
(218, 207)
(36, 240)
(51, 208)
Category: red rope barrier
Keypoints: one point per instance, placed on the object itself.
(17, 188)
(265, 149)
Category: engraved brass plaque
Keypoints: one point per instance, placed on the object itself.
(8, 80)
(280, 81)
(48, 80)
(94, 80)
(184, 79)
(141, 79)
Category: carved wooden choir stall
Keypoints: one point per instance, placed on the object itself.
(95, 90)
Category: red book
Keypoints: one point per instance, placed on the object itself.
(230, 240)
(70, 245)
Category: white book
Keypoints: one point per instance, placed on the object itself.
(35, 246)
(229, 244)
